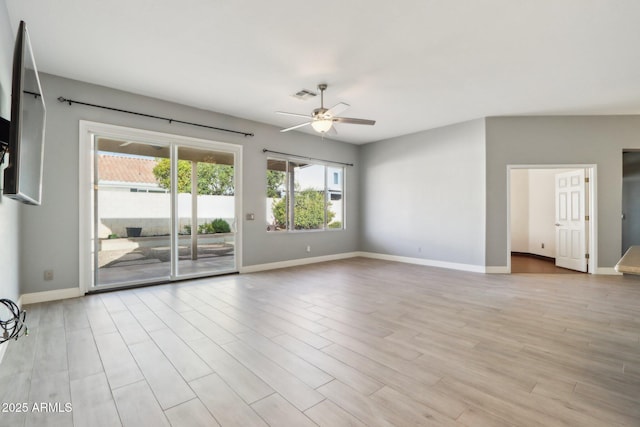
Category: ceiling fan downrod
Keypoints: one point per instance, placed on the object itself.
(322, 87)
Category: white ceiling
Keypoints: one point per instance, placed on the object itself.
(410, 65)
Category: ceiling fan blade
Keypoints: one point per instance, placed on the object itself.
(295, 127)
(306, 116)
(354, 121)
(337, 109)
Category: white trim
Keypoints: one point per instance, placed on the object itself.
(85, 222)
(173, 182)
(608, 271)
(3, 350)
(497, 270)
(593, 221)
(373, 255)
(426, 262)
(54, 295)
(593, 209)
(239, 213)
(297, 262)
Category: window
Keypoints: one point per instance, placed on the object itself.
(302, 195)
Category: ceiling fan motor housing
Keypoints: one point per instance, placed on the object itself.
(320, 113)
(322, 119)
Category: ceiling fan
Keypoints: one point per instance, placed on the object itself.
(322, 119)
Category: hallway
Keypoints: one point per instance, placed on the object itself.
(521, 263)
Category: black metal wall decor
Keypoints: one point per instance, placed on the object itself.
(13, 327)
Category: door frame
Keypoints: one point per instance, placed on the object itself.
(88, 130)
(625, 225)
(592, 227)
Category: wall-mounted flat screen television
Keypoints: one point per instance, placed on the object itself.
(23, 175)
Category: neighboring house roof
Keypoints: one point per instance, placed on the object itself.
(126, 169)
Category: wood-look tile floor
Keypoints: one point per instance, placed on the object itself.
(353, 342)
(531, 264)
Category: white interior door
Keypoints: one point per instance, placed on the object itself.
(571, 229)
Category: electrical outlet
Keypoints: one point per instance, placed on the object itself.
(543, 246)
(308, 248)
(48, 275)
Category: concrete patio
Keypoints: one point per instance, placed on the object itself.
(140, 259)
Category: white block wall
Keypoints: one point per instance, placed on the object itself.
(151, 211)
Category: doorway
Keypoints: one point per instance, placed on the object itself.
(630, 199)
(551, 224)
(157, 207)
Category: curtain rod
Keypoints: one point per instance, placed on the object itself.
(71, 101)
(264, 150)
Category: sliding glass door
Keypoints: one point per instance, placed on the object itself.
(206, 211)
(133, 213)
(161, 211)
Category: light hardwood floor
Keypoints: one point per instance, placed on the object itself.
(353, 342)
(532, 264)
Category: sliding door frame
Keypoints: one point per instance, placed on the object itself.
(86, 219)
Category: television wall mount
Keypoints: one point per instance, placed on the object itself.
(5, 126)
(5, 129)
(13, 327)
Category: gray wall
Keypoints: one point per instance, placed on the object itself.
(519, 210)
(423, 195)
(9, 209)
(433, 195)
(596, 140)
(50, 232)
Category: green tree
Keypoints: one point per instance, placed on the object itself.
(213, 179)
(275, 182)
(308, 210)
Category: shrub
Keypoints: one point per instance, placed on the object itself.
(218, 225)
(221, 226)
(308, 210)
(335, 224)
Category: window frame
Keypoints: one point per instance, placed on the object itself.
(291, 162)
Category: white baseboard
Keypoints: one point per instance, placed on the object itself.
(3, 349)
(296, 262)
(426, 262)
(609, 271)
(497, 270)
(409, 260)
(57, 294)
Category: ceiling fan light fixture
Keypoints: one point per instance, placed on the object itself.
(322, 125)
(322, 118)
